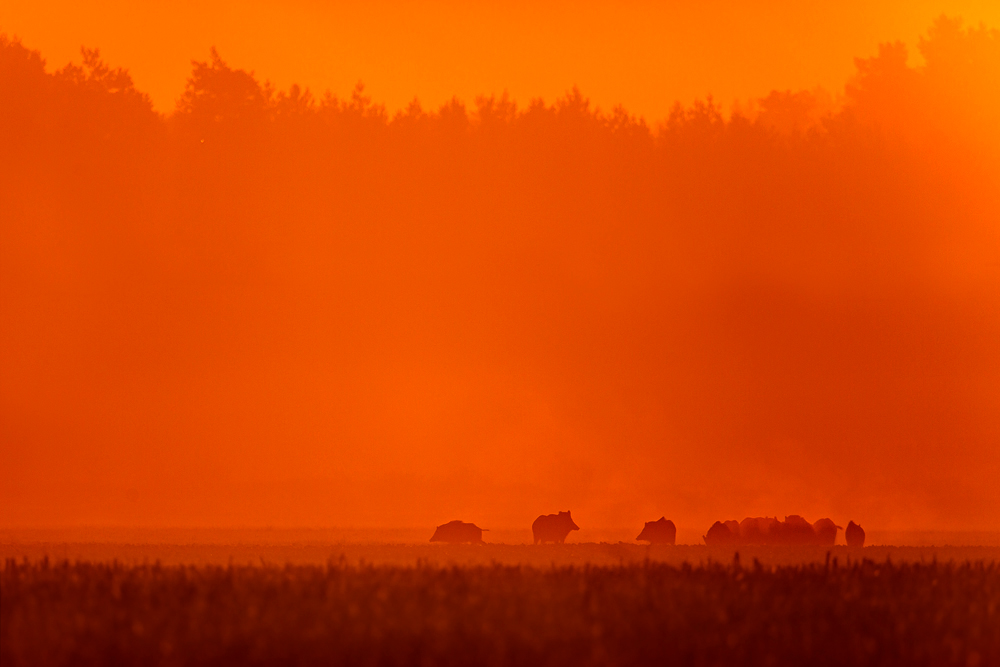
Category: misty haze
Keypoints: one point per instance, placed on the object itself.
(268, 308)
(292, 377)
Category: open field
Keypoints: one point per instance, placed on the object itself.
(412, 555)
(624, 611)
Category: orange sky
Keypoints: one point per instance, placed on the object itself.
(644, 55)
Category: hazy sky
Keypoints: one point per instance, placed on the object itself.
(644, 55)
(240, 317)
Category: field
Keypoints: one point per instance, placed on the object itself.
(500, 604)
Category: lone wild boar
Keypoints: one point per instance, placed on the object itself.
(720, 535)
(553, 527)
(659, 532)
(855, 535)
(457, 532)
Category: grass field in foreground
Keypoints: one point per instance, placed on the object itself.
(637, 613)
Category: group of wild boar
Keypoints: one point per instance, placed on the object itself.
(760, 530)
(794, 530)
(546, 528)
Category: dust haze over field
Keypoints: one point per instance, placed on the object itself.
(274, 308)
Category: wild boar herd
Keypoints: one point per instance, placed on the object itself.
(760, 530)
(768, 531)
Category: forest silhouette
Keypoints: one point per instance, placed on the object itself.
(266, 306)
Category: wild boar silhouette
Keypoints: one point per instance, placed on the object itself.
(855, 535)
(720, 535)
(826, 532)
(662, 531)
(553, 527)
(458, 532)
